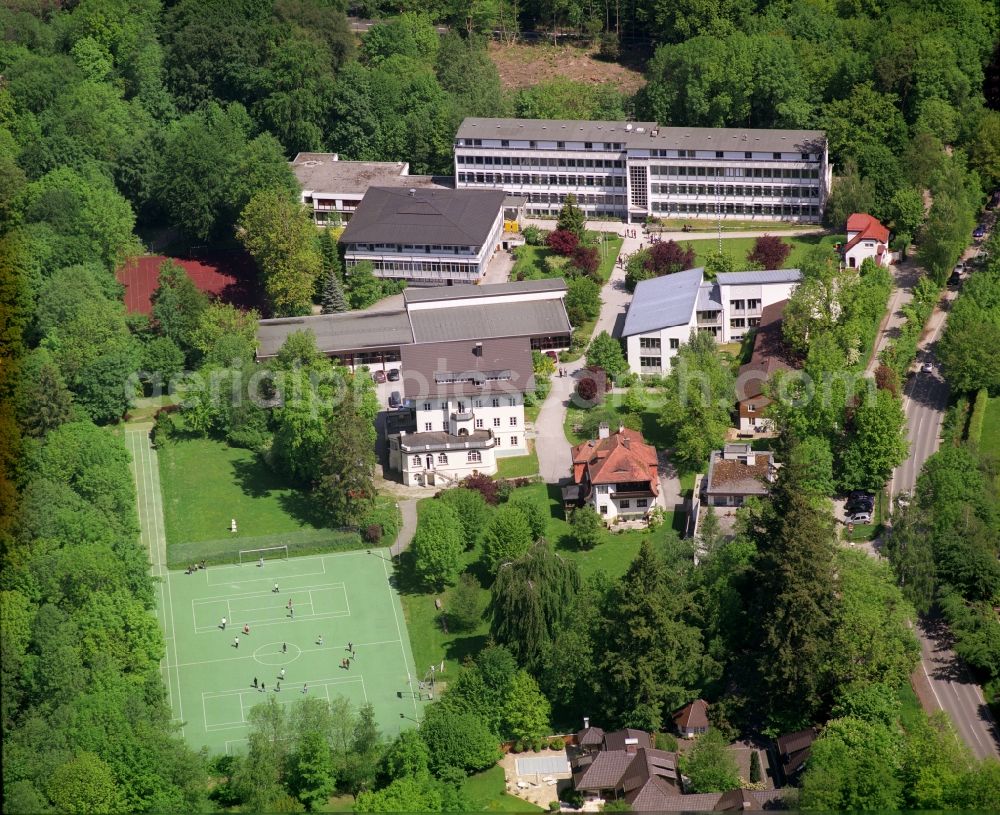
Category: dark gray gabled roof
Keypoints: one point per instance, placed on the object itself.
(663, 302)
(350, 331)
(424, 216)
(467, 368)
(463, 291)
(734, 139)
(525, 319)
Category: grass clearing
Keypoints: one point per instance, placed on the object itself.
(990, 441)
(518, 466)
(206, 483)
(738, 247)
(485, 792)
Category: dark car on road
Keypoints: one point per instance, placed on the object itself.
(394, 375)
(954, 278)
(979, 232)
(378, 376)
(395, 400)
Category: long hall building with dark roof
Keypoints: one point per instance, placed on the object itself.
(635, 170)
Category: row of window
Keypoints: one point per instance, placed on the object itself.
(538, 162)
(683, 171)
(558, 198)
(540, 180)
(734, 156)
(533, 144)
(657, 153)
(739, 190)
(626, 503)
(480, 423)
(730, 208)
(472, 457)
(739, 305)
(428, 267)
(461, 406)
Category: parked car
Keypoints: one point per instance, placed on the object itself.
(853, 495)
(394, 374)
(979, 232)
(378, 376)
(954, 278)
(861, 502)
(860, 518)
(927, 368)
(395, 400)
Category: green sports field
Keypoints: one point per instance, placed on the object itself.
(343, 597)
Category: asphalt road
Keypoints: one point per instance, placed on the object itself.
(924, 401)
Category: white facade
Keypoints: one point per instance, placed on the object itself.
(727, 309)
(428, 265)
(501, 414)
(611, 506)
(458, 436)
(441, 468)
(638, 170)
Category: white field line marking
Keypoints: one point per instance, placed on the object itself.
(302, 650)
(399, 630)
(224, 567)
(269, 593)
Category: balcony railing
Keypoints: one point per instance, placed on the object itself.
(463, 416)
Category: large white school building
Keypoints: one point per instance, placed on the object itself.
(635, 170)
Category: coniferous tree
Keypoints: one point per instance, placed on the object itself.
(571, 217)
(346, 486)
(651, 655)
(334, 300)
(796, 600)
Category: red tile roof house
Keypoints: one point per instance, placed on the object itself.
(616, 474)
(769, 356)
(866, 238)
(692, 719)
(737, 472)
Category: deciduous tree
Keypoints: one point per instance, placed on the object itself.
(769, 252)
(280, 235)
(605, 353)
(507, 537)
(437, 544)
(587, 526)
(710, 765)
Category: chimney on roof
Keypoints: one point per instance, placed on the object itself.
(586, 722)
(603, 431)
(478, 349)
(631, 745)
(751, 459)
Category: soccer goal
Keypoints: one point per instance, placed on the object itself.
(260, 555)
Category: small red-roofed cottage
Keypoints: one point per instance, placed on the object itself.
(866, 238)
(616, 474)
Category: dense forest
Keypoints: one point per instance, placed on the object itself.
(125, 120)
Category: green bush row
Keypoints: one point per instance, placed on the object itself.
(978, 417)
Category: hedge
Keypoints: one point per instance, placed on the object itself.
(978, 417)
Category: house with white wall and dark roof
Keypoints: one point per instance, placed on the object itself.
(426, 236)
(468, 398)
(738, 472)
(665, 311)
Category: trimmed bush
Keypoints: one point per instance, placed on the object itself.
(557, 744)
(978, 417)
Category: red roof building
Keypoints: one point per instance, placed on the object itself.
(866, 238)
(617, 474)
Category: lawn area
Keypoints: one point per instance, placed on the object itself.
(206, 483)
(518, 466)
(707, 225)
(485, 793)
(990, 442)
(911, 712)
(531, 260)
(650, 418)
(738, 247)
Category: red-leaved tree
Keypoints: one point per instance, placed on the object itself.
(585, 259)
(562, 241)
(769, 252)
(483, 484)
(667, 257)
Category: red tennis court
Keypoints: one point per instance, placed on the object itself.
(227, 276)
